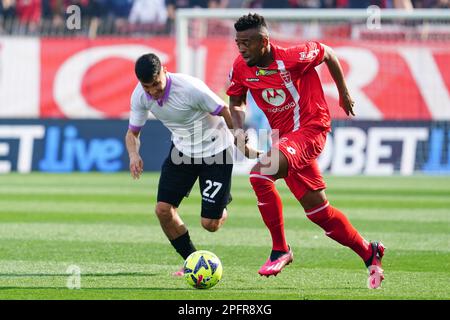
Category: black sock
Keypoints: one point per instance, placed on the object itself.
(183, 245)
(275, 254)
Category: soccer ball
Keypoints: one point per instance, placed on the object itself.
(202, 269)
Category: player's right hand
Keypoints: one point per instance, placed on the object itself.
(252, 153)
(136, 166)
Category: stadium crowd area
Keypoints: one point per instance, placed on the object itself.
(48, 17)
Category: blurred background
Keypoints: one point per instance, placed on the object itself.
(66, 76)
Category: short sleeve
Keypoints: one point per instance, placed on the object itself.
(236, 88)
(309, 55)
(206, 99)
(138, 114)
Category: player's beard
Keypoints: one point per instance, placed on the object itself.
(251, 62)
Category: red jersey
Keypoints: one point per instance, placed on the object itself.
(289, 91)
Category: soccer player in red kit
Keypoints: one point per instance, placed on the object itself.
(285, 85)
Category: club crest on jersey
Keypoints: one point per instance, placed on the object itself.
(286, 76)
(275, 97)
(264, 72)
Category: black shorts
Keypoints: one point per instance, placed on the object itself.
(177, 180)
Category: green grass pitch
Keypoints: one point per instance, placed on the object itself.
(104, 224)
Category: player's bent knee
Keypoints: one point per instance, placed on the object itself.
(212, 225)
(164, 210)
(313, 198)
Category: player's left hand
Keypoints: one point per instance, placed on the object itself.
(346, 102)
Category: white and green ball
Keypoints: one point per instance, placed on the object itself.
(202, 269)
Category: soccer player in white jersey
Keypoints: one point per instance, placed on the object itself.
(201, 148)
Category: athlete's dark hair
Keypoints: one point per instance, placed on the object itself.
(147, 67)
(250, 21)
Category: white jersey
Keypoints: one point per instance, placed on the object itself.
(189, 110)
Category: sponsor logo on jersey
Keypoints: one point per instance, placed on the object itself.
(310, 55)
(264, 72)
(275, 97)
(252, 79)
(290, 105)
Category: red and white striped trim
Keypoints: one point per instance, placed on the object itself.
(294, 93)
(326, 204)
(254, 175)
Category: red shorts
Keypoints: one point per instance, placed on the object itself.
(302, 148)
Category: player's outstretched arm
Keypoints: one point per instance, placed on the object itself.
(136, 164)
(237, 110)
(345, 100)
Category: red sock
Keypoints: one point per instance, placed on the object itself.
(271, 208)
(338, 228)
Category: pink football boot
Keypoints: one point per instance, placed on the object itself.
(374, 266)
(272, 268)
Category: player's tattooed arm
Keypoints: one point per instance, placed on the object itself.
(237, 110)
(345, 100)
(132, 143)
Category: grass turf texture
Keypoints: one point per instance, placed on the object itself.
(105, 225)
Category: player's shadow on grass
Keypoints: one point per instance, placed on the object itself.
(119, 274)
(356, 287)
(97, 288)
